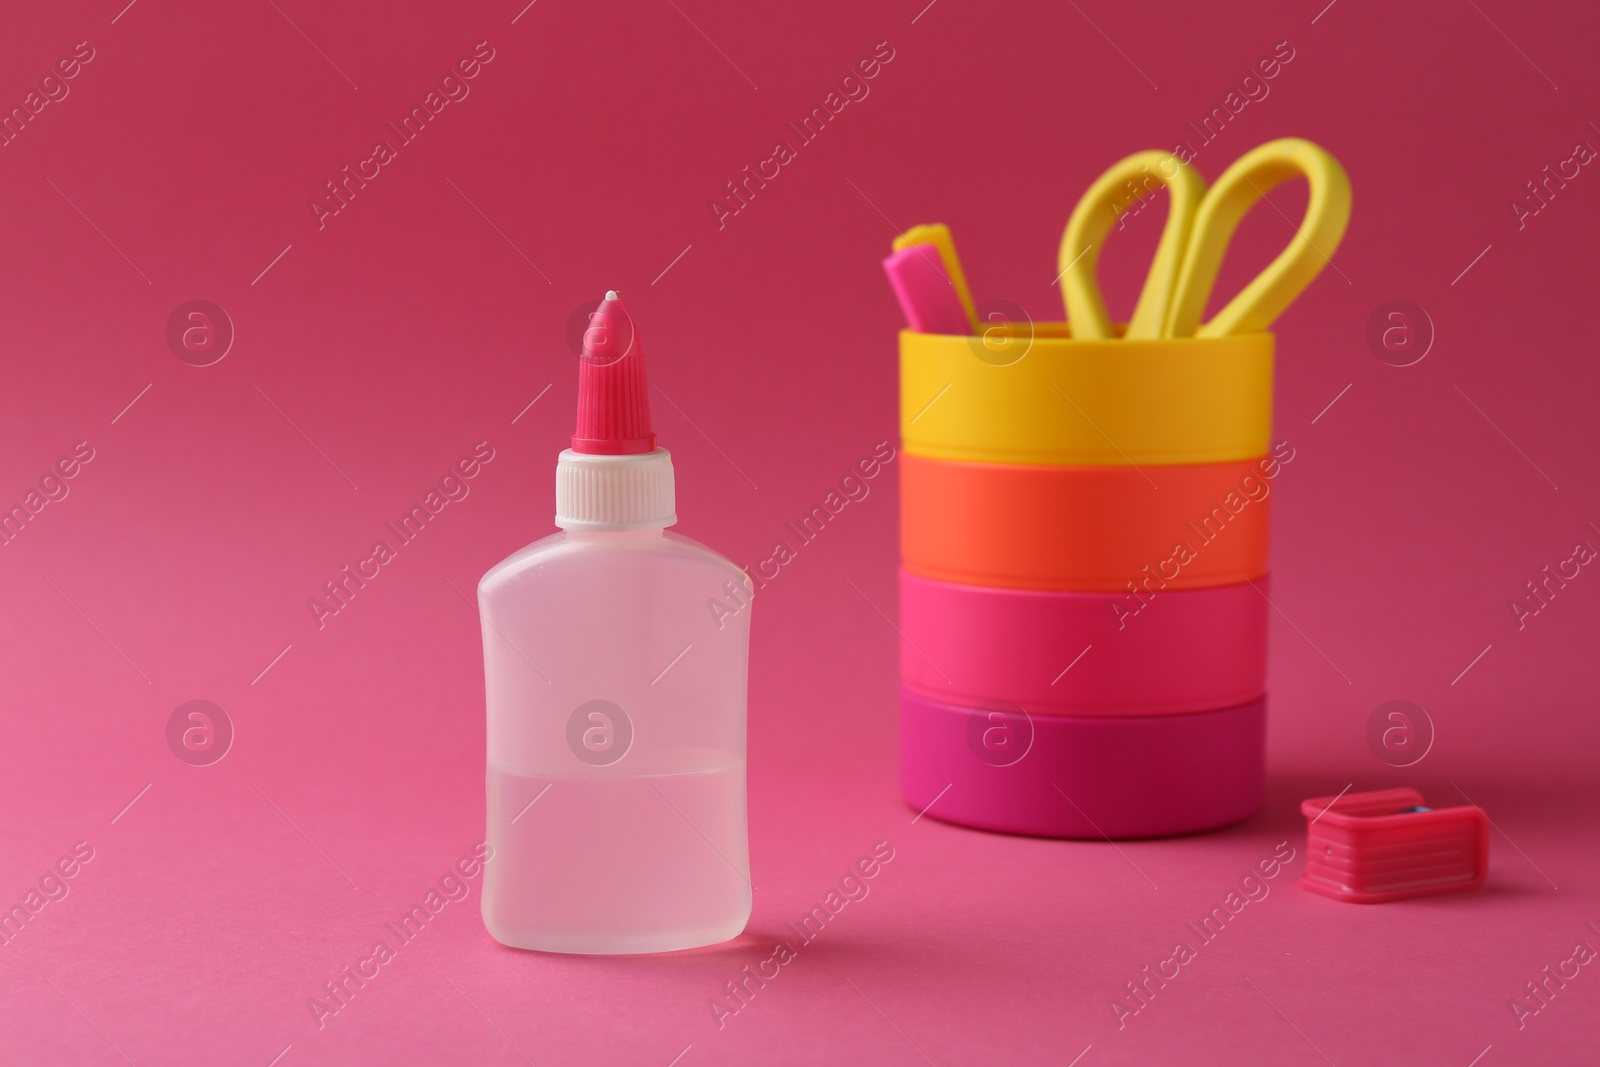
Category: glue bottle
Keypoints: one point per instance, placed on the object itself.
(615, 661)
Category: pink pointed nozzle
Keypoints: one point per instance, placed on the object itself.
(613, 387)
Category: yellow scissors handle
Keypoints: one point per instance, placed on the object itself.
(1225, 205)
(1124, 188)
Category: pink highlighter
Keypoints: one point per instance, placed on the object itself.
(927, 297)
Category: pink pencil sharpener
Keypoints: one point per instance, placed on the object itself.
(1368, 848)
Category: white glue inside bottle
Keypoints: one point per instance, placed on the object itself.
(615, 659)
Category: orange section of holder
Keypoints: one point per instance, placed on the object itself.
(1089, 529)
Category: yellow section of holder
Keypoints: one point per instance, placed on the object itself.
(1040, 396)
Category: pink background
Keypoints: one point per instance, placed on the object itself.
(411, 327)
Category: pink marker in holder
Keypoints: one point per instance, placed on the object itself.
(927, 297)
(1368, 848)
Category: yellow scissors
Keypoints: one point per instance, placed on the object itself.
(1200, 224)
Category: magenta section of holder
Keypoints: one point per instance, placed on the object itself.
(1081, 777)
(1063, 653)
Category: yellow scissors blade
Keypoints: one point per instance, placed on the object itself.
(1125, 187)
(938, 235)
(1241, 186)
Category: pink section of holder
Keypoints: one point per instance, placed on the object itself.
(1063, 653)
(1081, 777)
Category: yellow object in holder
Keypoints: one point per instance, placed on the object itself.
(1126, 183)
(938, 235)
(1054, 399)
(1239, 189)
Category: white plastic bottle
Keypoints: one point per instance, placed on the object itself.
(615, 658)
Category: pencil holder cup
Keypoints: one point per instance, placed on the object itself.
(1084, 536)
